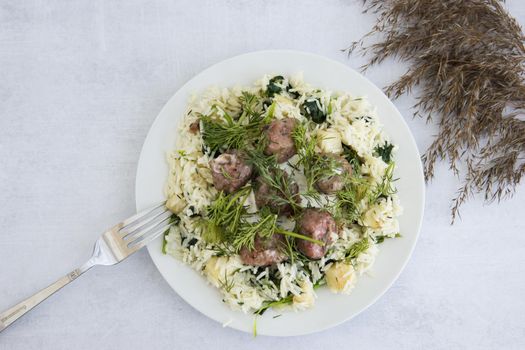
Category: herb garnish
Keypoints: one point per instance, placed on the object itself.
(357, 248)
(224, 214)
(385, 188)
(385, 151)
(276, 178)
(228, 221)
(284, 301)
(316, 166)
(353, 158)
(265, 227)
(346, 206)
(381, 239)
(226, 132)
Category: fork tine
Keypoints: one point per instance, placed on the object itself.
(147, 229)
(140, 225)
(147, 238)
(140, 215)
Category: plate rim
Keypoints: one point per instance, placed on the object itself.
(421, 185)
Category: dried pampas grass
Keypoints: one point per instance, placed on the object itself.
(468, 59)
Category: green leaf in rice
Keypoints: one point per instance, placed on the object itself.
(384, 151)
(312, 109)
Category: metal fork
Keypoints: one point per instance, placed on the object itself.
(112, 247)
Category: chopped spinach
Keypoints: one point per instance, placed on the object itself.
(192, 242)
(174, 220)
(294, 94)
(273, 86)
(312, 109)
(385, 152)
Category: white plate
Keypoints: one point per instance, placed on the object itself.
(330, 309)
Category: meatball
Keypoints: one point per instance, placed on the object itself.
(334, 183)
(266, 251)
(280, 142)
(318, 225)
(230, 171)
(269, 196)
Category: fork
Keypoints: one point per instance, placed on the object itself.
(113, 246)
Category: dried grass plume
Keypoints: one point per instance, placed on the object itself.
(468, 58)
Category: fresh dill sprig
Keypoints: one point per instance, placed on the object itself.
(228, 221)
(219, 134)
(260, 311)
(346, 207)
(265, 227)
(313, 198)
(357, 248)
(225, 214)
(386, 187)
(227, 132)
(316, 166)
(277, 179)
(226, 284)
(293, 253)
(381, 239)
(283, 301)
(353, 158)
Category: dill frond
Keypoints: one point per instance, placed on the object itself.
(353, 158)
(381, 239)
(316, 166)
(386, 187)
(284, 301)
(225, 214)
(283, 186)
(264, 227)
(226, 132)
(346, 208)
(356, 249)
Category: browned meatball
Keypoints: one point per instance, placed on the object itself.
(266, 251)
(318, 225)
(334, 183)
(269, 196)
(230, 171)
(280, 142)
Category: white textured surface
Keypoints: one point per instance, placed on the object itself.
(81, 81)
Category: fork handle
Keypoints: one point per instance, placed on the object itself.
(11, 315)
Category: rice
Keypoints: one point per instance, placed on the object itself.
(351, 122)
